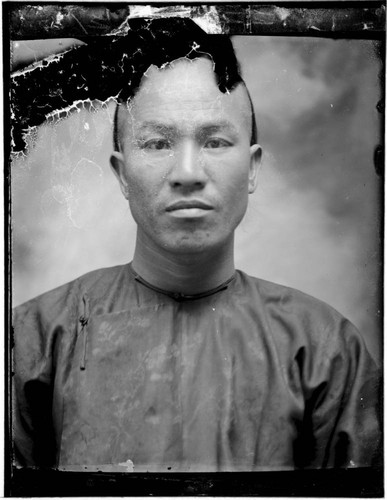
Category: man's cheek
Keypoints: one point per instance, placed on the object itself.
(142, 200)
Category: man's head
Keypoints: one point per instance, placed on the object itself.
(161, 41)
(186, 160)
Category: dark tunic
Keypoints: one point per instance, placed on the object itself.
(254, 376)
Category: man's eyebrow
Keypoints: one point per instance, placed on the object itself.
(200, 128)
(155, 126)
(223, 125)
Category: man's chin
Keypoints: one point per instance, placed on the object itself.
(193, 245)
(187, 249)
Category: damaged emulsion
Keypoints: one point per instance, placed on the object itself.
(77, 21)
(38, 21)
(109, 67)
(104, 67)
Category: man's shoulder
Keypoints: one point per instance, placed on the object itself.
(102, 278)
(94, 282)
(282, 294)
(292, 317)
(286, 302)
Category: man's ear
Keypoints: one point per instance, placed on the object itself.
(117, 164)
(255, 162)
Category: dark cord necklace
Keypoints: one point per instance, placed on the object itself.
(180, 297)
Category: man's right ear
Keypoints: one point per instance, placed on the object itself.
(117, 164)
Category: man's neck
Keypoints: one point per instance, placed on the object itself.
(188, 274)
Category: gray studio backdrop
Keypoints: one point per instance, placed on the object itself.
(312, 224)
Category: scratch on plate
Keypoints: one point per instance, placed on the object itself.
(59, 18)
(282, 13)
(41, 63)
(208, 20)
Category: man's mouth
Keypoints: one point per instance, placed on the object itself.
(187, 204)
(189, 208)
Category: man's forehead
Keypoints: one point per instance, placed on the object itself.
(186, 85)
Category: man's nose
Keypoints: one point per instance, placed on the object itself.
(188, 167)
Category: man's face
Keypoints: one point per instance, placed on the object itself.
(186, 164)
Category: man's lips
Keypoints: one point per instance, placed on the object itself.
(189, 204)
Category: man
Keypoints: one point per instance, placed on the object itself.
(176, 361)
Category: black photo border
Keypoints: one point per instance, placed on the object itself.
(330, 19)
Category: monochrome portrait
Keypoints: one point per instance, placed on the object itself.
(196, 243)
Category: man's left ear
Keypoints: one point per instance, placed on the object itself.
(255, 162)
(117, 163)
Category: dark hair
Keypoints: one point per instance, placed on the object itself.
(161, 41)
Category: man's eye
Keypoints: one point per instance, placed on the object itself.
(216, 143)
(156, 144)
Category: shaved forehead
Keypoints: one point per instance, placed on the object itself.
(184, 84)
